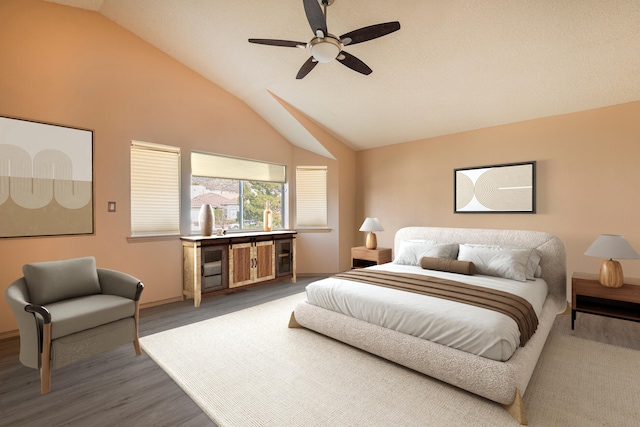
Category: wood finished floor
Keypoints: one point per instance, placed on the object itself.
(119, 388)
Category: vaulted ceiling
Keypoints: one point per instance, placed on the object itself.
(454, 65)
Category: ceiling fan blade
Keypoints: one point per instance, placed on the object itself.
(368, 33)
(354, 63)
(315, 17)
(307, 67)
(284, 43)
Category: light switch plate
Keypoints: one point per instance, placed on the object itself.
(111, 206)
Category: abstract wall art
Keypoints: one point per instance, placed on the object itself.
(496, 189)
(46, 179)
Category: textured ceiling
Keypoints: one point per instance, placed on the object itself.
(454, 66)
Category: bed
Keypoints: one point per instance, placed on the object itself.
(503, 371)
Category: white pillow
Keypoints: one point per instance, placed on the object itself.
(412, 251)
(511, 263)
(538, 272)
(533, 265)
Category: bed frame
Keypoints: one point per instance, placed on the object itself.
(502, 382)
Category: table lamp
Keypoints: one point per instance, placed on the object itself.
(370, 225)
(611, 246)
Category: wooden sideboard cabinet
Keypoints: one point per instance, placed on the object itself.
(213, 265)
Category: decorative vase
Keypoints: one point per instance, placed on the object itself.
(267, 217)
(205, 219)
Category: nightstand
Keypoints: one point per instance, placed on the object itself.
(363, 257)
(589, 296)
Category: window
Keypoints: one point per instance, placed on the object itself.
(311, 196)
(238, 190)
(155, 189)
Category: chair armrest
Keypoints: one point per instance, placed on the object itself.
(18, 298)
(17, 295)
(118, 283)
(41, 310)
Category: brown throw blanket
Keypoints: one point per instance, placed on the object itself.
(513, 306)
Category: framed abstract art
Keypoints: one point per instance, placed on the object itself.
(46, 179)
(505, 188)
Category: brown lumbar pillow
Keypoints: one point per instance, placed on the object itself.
(450, 265)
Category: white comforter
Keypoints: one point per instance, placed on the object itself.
(472, 329)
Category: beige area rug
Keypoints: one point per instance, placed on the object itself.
(248, 369)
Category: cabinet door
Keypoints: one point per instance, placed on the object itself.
(265, 261)
(240, 264)
(213, 269)
(284, 257)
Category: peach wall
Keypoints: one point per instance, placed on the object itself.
(329, 251)
(73, 67)
(588, 179)
(334, 243)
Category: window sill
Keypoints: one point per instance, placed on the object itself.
(152, 238)
(314, 230)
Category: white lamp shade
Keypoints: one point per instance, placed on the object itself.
(611, 246)
(371, 224)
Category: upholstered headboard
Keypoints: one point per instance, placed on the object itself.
(550, 246)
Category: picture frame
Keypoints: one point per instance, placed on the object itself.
(46, 179)
(503, 188)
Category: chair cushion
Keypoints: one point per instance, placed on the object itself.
(59, 280)
(82, 313)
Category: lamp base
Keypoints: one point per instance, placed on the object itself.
(372, 241)
(611, 274)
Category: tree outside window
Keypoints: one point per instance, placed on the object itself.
(237, 204)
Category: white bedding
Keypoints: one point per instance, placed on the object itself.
(465, 327)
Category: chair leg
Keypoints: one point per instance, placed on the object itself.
(45, 361)
(136, 346)
(136, 317)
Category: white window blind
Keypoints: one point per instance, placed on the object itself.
(215, 166)
(311, 196)
(155, 189)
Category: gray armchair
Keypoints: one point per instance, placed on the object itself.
(70, 310)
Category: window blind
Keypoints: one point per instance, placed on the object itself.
(216, 166)
(311, 196)
(155, 189)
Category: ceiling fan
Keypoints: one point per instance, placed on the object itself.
(326, 47)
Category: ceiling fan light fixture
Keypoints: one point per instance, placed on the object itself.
(325, 49)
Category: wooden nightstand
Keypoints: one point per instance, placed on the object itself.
(589, 296)
(363, 257)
